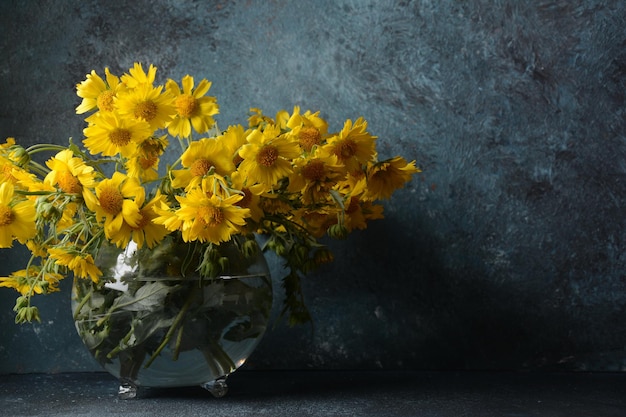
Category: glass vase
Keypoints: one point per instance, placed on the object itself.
(153, 321)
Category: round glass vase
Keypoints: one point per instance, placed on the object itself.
(153, 321)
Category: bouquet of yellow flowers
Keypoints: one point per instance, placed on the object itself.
(287, 178)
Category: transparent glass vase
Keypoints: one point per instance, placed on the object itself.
(153, 321)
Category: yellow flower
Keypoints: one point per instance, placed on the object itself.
(234, 138)
(251, 196)
(317, 221)
(354, 146)
(136, 76)
(146, 103)
(96, 93)
(358, 213)
(37, 249)
(257, 119)
(210, 219)
(166, 216)
(286, 177)
(192, 107)
(32, 281)
(81, 264)
(146, 232)
(315, 175)
(117, 200)
(276, 204)
(267, 156)
(144, 163)
(17, 217)
(308, 128)
(70, 173)
(9, 172)
(202, 158)
(109, 134)
(384, 177)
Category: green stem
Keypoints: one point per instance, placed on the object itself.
(82, 303)
(177, 321)
(122, 344)
(179, 338)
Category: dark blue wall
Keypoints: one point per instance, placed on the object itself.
(508, 252)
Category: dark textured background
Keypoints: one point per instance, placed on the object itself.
(508, 252)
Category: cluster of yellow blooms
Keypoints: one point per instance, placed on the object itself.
(287, 176)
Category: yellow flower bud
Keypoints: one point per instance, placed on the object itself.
(19, 155)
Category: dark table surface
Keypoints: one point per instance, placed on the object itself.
(327, 393)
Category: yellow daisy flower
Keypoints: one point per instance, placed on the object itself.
(257, 119)
(17, 217)
(166, 216)
(109, 134)
(251, 196)
(147, 103)
(267, 155)
(210, 219)
(144, 164)
(384, 177)
(81, 264)
(200, 158)
(358, 213)
(37, 249)
(192, 107)
(316, 221)
(117, 201)
(234, 138)
(315, 175)
(146, 232)
(354, 146)
(96, 93)
(70, 173)
(9, 172)
(31, 281)
(308, 128)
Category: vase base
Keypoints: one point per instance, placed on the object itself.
(127, 390)
(218, 387)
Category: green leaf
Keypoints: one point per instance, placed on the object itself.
(149, 297)
(146, 326)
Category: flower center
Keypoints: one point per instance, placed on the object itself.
(185, 105)
(346, 149)
(309, 137)
(6, 216)
(105, 100)
(267, 156)
(313, 171)
(146, 110)
(120, 137)
(111, 200)
(210, 216)
(200, 167)
(69, 183)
